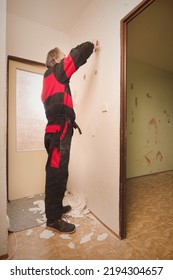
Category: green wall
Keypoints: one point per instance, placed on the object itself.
(149, 119)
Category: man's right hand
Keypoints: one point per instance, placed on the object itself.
(96, 44)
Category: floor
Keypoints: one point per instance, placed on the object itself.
(149, 230)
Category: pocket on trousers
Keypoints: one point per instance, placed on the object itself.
(55, 159)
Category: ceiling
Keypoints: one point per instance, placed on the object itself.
(57, 14)
(150, 35)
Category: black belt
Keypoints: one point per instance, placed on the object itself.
(75, 125)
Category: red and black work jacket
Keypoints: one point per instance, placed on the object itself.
(56, 94)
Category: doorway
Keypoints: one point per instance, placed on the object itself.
(145, 103)
(26, 122)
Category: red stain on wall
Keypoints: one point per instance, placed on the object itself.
(153, 122)
(159, 156)
(148, 160)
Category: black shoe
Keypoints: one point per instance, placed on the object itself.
(66, 209)
(61, 226)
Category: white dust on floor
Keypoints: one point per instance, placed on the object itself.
(79, 210)
(46, 234)
(39, 207)
(86, 238)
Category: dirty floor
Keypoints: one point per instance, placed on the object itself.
(149, 230)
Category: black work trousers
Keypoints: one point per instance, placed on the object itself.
(58, 146)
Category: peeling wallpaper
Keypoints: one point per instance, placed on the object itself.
(149, 119)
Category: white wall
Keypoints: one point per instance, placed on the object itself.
(94, 167)
(3, 188)
(95, 154)
(30, 40)
(149, 119)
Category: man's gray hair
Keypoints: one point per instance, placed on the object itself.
(51, 56)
